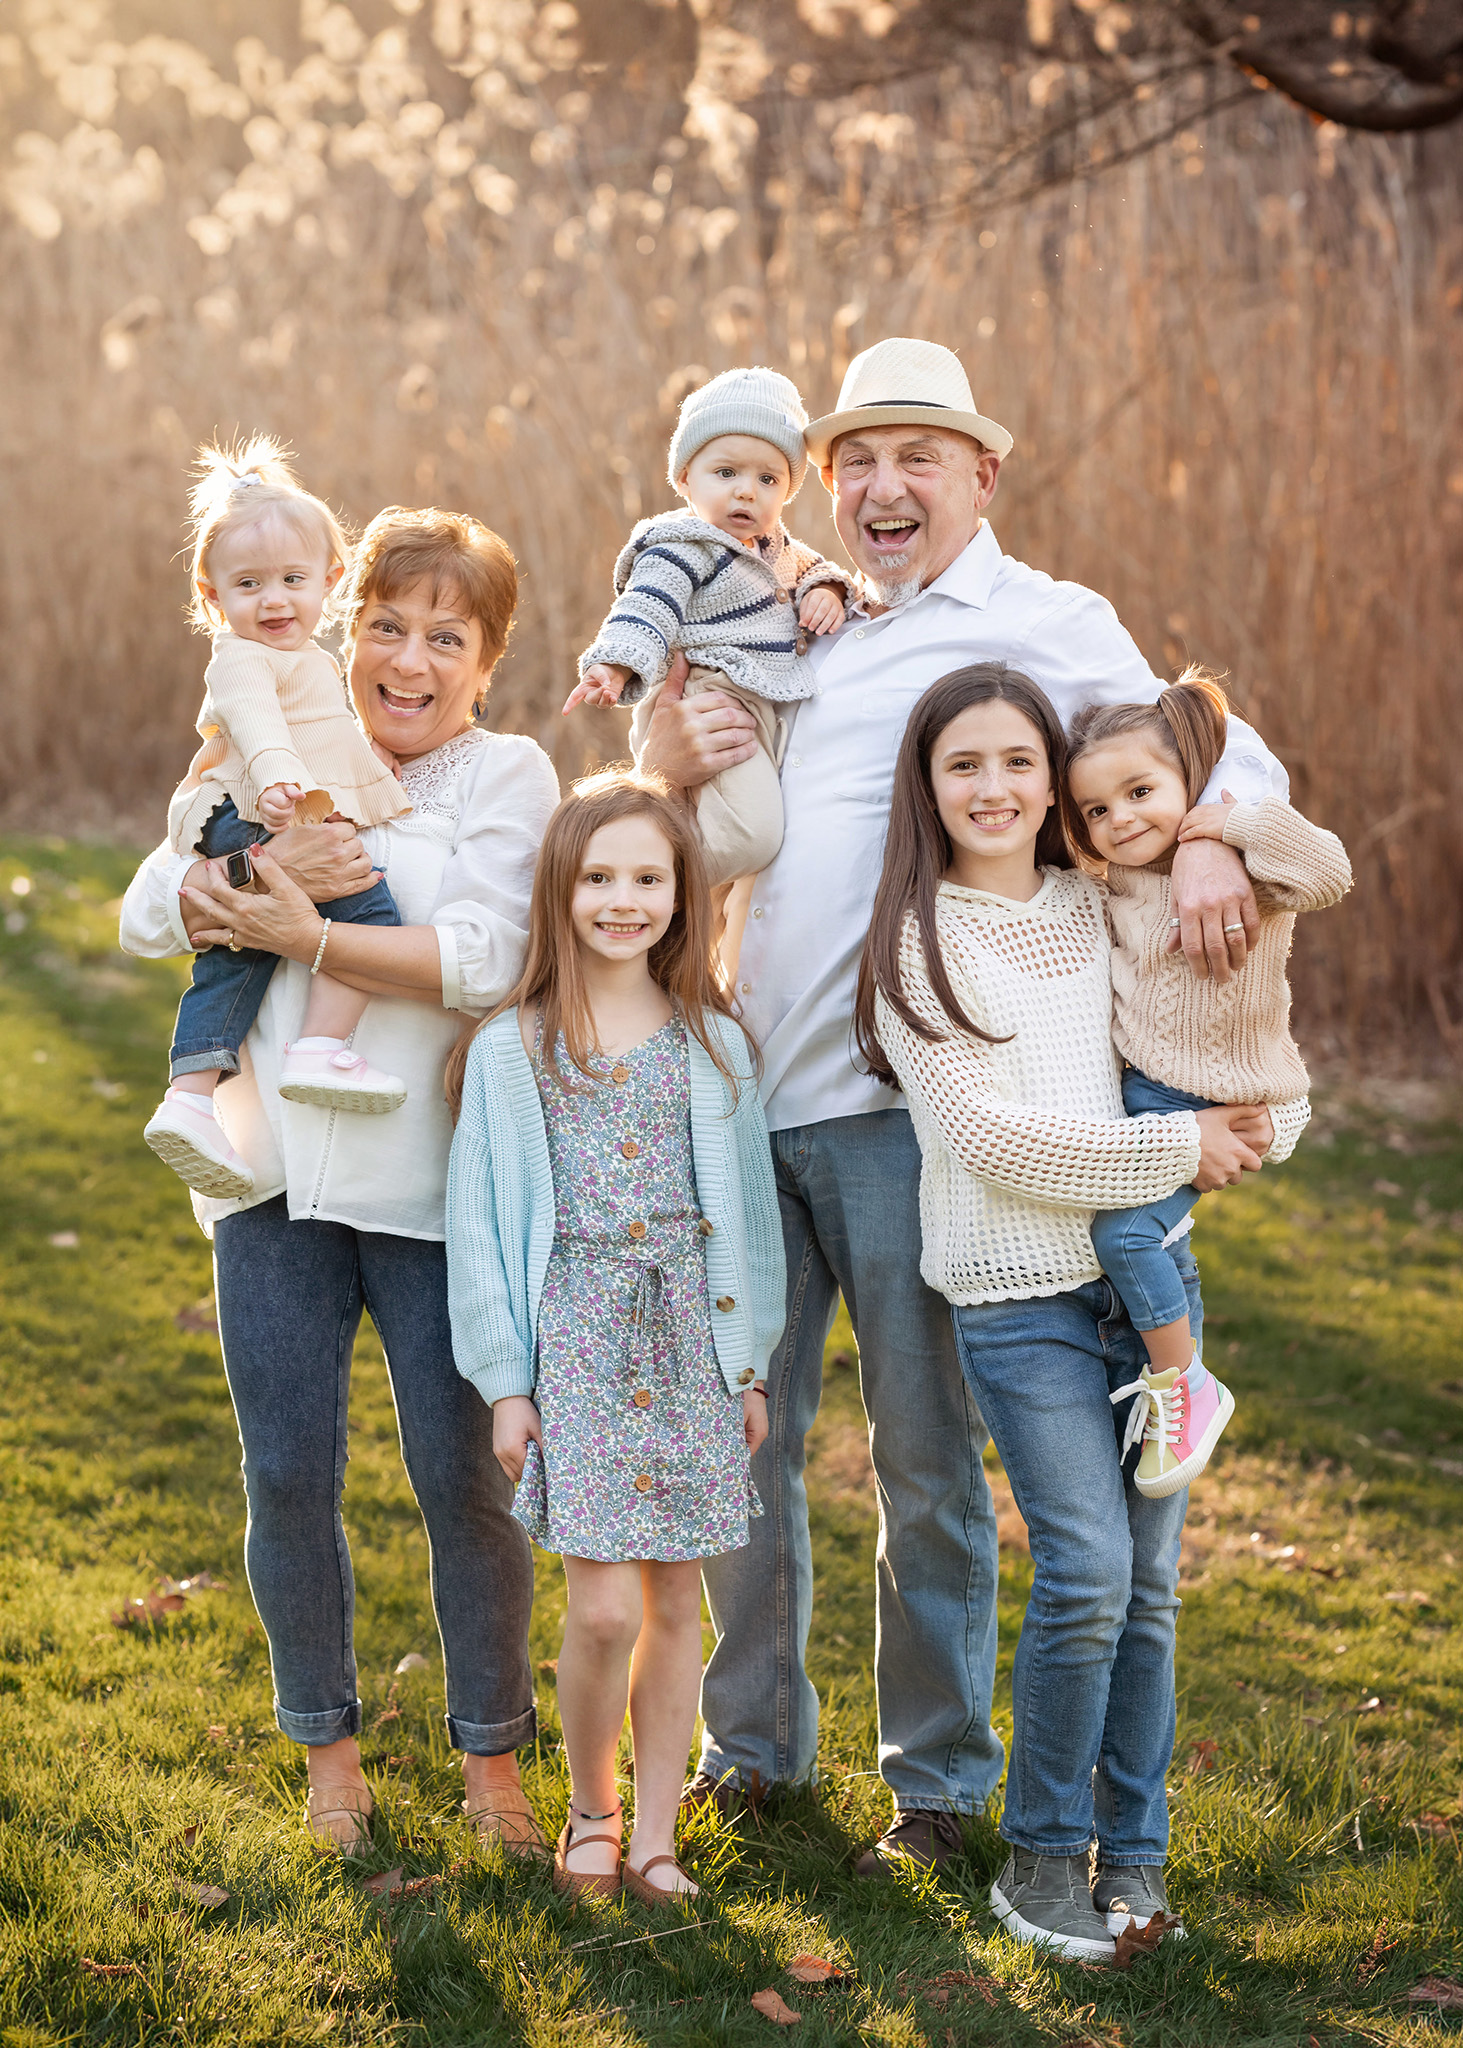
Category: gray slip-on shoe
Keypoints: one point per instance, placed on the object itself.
(1045, 1900)
(1127, 1894)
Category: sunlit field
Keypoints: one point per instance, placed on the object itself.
(156, 1883)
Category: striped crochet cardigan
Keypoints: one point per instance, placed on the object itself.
(728, 604)
(500, 1213)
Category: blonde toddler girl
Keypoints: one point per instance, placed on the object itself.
(615, 1275)
(281, 747)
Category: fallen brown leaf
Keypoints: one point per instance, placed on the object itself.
(198, 1315)
(1135, 1941)
(190, 1835)
(209, 1895)
(149, 1610)
(217, 1731)
(95, 1969)
(770, 2004)
(1435, 1824)
(383, 1884)
(1444, 1992)
(1204, 1753)
(938, 1996)
(817, 1970)
(549, 1667)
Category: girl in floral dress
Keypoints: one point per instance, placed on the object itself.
(616, 1282)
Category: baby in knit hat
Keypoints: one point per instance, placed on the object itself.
(725, 582)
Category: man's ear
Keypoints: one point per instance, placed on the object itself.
(826, 473)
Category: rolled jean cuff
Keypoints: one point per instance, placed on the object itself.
(222, 1062)
(491, 1738)
(318, 1729)
(963, 1809)
(1080, 1849)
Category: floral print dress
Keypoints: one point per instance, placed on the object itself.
(644, 1455)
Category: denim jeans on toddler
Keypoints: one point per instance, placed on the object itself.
(1129, 1242)
(216, 1013)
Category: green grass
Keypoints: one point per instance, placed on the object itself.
(1321, 1577)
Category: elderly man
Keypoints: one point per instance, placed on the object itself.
(911, 466)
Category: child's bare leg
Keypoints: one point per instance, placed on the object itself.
(665, 1684)
(333, 1010)
(1170, 1346)
(201, 1083)
(594, 1678)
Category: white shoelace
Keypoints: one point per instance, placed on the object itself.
(1161, 1409)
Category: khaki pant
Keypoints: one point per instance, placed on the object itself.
(739, 812)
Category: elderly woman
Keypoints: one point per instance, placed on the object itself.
(347, 1212)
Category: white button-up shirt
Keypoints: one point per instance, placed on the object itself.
(810, 910)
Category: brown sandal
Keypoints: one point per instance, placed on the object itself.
(638, 1885)
(594, 1884)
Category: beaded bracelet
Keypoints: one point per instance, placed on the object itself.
(320, 949)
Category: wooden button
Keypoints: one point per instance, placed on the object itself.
(745, 1379)
(630, 1149)
(637, 1231)
(706, 1227)
(642, 1397)
(620, 1074)
(643, 1482)
(724, 1302)
(784, 597)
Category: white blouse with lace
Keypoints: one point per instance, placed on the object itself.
(1025, 1140)
(461, 861)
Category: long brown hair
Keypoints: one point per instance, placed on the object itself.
(681, 961)
(918, 851)
(1189, 723)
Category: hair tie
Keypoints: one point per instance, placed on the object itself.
(250, 476)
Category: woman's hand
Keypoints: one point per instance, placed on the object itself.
(1227, 1148)
(275, 917)
(754, 1417)
(689, 743)
(1206, 821)
(515, 1423)
(326, 861)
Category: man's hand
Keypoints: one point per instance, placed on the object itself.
(277, 805)
(602, 686)
(1226, 1153)
(515, 1425)
(821, 611)
(689, 743)
(325, 861)
(1214, 903)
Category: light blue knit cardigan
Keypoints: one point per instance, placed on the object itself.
(500, 1213)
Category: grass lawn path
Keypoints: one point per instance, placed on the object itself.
(1315, 1783)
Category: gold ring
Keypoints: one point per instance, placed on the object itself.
(233, 943)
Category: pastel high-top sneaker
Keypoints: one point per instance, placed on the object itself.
(336, 1078)
(186, 1135)
(1182, 1429)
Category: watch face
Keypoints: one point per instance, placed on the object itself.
(239, 871)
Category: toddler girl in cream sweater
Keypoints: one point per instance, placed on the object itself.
(1134, 776)
(281, 747)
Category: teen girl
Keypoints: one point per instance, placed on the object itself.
(1134, 777)
(985, 994)
(616, 1280)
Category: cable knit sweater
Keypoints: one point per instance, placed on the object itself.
(728, 604)
(1229, 1043)
(271, 715)
(1024, 1141)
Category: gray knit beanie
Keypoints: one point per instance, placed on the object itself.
(760, 402)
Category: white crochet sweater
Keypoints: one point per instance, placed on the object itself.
(1024, 1141)
(728, 604)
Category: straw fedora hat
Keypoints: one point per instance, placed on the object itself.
(901, 382)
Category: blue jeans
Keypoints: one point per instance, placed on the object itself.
(217, 1011)
(1129, 1242)
(849, 1195)
(1093, 1686)
(290, 1296)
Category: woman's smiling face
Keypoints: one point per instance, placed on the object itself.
(416, 668)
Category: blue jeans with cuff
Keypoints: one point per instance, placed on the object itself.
(1093, 1684)
(218, 1011)
(848, 1190)
(1129, 1242)
(290, 1296)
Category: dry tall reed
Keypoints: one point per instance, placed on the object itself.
(1231, 366)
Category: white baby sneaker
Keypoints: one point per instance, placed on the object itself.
(186, 1135)
(338, 1080)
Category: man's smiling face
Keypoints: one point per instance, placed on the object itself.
(907, 500)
